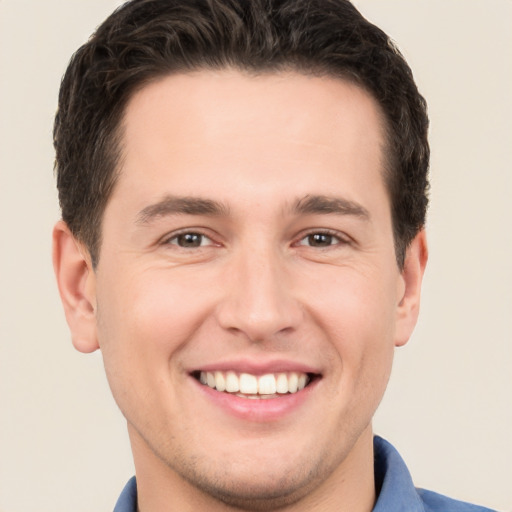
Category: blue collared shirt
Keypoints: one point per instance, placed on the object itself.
(396, 492)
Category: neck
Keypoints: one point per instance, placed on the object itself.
(350, 487)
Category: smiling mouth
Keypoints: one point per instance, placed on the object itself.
(246, 385)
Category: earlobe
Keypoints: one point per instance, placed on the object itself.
(411, 279)
(76, 283)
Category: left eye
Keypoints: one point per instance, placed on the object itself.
(320, 240)
(190, 240)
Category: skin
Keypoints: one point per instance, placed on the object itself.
(256, 290)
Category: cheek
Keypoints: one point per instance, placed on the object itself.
(354, 300)
(143, 323)
(153, 311)
(357, 311)
(146, 325)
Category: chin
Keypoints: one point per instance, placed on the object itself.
(256, 491)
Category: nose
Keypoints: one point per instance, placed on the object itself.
(258, 299)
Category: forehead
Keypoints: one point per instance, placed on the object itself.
(197, 129)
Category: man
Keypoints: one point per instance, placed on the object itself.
(243, 192)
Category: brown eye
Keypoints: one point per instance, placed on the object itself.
(323, 240)
(189, 240)
(320, 240)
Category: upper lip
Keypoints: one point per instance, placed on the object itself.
(256, 367)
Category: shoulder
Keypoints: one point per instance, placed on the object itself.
(396, 490)
(434, 502)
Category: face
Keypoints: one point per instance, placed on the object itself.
(247, 299)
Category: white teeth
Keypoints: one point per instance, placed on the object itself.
(251, 386)
(293, 382)
(248, 384)
(220, 381)
(267, 384)
(232, 382)
(282, 383)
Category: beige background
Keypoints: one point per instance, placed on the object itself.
(63, 444)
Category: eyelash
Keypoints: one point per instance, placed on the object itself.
(173, 240)
(331, 235)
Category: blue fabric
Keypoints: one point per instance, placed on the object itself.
(127, 502)
(396, 491)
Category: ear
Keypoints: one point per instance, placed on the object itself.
(77, 287)
(410, 288)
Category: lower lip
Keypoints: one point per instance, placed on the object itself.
(259, 410)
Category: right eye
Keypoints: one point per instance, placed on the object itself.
(319, 240)
(190, 240)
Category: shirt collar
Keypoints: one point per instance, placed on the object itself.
(393, 482)
(127, 502)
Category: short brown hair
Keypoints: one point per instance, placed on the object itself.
(146, 39)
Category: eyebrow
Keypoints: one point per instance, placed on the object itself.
(308, 205)
(173, 205)
(320, 204)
